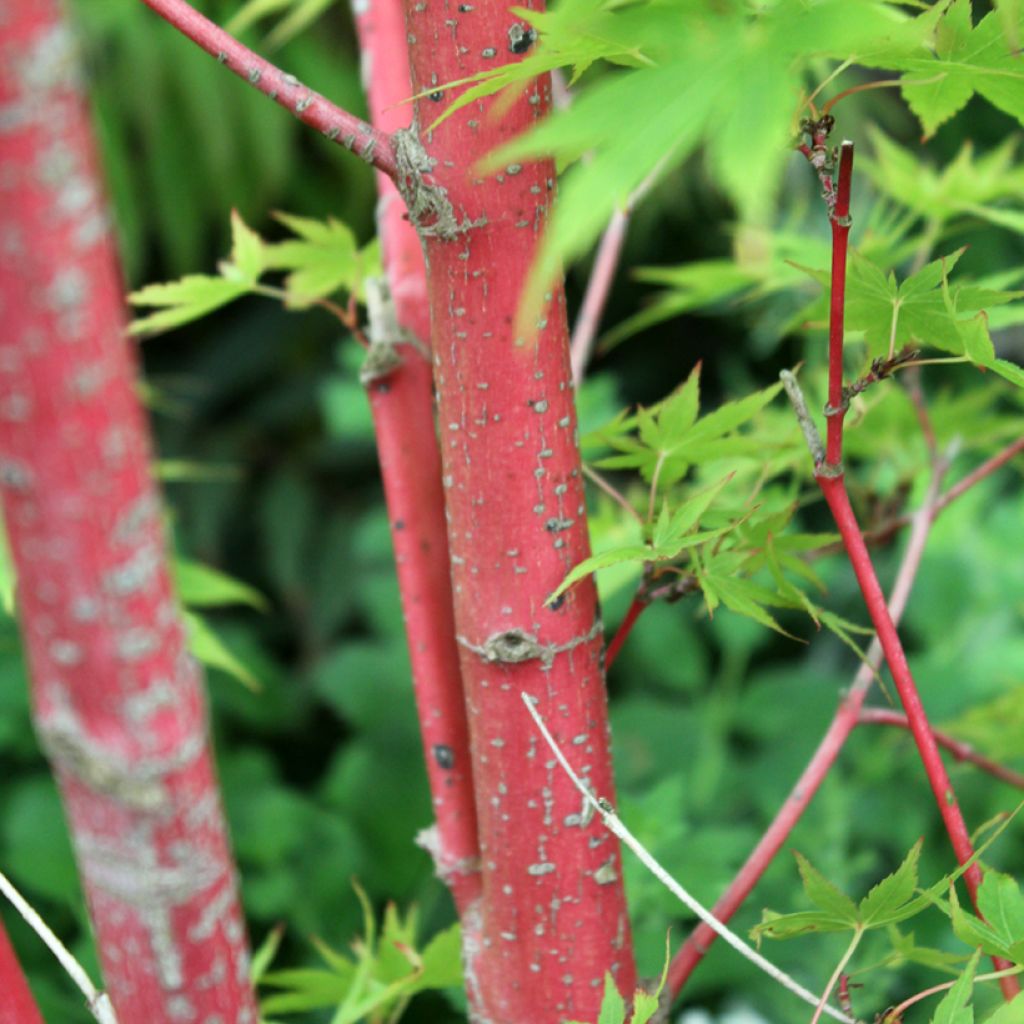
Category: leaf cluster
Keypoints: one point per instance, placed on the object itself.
(321, 259)
(375, 983)
(721, 493)
(735, 83)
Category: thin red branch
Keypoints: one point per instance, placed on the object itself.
(17, 1004)
(840, 216)
(988, 467)
(599, 286)
(402, 403)
(960, 751)
(375, 147)
(626, 627)
(833, 486)
(834, 490)
(800, 796)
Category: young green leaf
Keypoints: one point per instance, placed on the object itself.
(824, 895)
(955, 1007)
(323, 259)
(246, 251)
(613, 1006)
(213, 652)
(967, 60)
(203, 587)
(1009, 1013)
(181, 302)
(892, 892)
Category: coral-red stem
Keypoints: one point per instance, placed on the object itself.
(626, 627)
(834, 490)
(402, 403)
(837, 306)
(310, 107)
(988, 467)
(800, 796)
(17, 1004)
(599, 286)
(960, 751)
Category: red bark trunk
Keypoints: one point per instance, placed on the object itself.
(552, 917)
(118, 702)
(402, 400)
(17, 1004)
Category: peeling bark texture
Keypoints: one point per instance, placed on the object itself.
(17, 1004)
(552, 914)
(399, 382)
(118, 702)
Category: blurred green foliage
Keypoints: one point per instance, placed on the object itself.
(713, 719)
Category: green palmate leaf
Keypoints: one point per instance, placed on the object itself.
(740, 596)
(824, 895)
(442, 960)
(905, 949)
(311, 988)
(925, 309)
(975, 932)
(955, 1007)
(208, 647)
(322, 260)
(788, 926)
(967, 59)
(1011, 15)
(246, 250)
(968, 184)
(613, 1006)
(202, 587)
(181, 302)
(678, 412)
(1009, 1013)
(876, 909)
(1001, 904)
(673, 528)
(264, 955)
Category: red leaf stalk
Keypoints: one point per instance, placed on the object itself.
(843, 722)
(840, 217)
(961, 751)
(402, 401)
(117, 700)
(626, 627)
(307, 105)
(552, 913)
(834, 488)
(17, 1004)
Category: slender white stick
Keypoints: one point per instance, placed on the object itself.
(99, 1002)
(614, 825)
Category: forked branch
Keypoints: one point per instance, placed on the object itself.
(338, 125)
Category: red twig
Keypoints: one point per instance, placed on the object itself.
(961, 751)
(840, 216)
(830, 479)
(800, 796)
(401, 397)
(626, 627)
(834, 490)
(988, 467)
(598, 288)
(310, 107)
